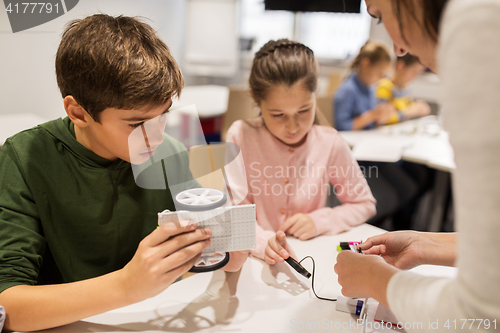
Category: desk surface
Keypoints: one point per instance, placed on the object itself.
(419, 141)
(259, 298)
(11, 124)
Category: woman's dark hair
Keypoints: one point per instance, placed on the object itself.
(432, 10)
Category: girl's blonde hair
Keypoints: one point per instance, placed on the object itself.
(282, 62)
(375, 52)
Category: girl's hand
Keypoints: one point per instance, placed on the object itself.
(363, 276)
(162, 256)
(300, 226)
(277, 249)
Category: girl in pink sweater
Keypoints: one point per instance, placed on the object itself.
(290, 161)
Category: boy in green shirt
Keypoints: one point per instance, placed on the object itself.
(78, 236)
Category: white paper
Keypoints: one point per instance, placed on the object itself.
(380, 149)
(233, 227)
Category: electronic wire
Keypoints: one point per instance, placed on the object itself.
(312, 280)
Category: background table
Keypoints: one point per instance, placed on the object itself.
(420, 141)
(205, 119)
(259, 298)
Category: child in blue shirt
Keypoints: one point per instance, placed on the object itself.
(355, 108)
(355, 102)
(395, 90)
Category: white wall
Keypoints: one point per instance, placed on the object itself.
(27, 74)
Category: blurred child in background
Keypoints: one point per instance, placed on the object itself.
(355, 108)
(394, 90)
(355, 104)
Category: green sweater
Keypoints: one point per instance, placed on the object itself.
(67, 214)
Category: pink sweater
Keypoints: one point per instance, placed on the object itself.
(283, 181)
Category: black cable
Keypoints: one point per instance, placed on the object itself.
(312, 281)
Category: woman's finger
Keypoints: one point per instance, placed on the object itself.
(375, 250)
(373, 241)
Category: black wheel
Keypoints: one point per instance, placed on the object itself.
(208, 263)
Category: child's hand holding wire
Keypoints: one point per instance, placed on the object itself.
(277, 249)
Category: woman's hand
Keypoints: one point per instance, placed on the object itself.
(300, 226)
(363, 276)
(408, 249)
(277, 249)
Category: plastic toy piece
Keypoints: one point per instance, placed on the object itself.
(353, 246)
(233, 228)
(200, 199)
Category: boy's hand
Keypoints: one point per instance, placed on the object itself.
(300, 226)
(277, 249)
(163, 256)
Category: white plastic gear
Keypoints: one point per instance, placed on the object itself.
(198, 199)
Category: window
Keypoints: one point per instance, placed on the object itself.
(329, 35)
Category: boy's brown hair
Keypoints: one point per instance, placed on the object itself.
(119, 62)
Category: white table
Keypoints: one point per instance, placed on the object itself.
(259, 298)
(13, 123)
(420, 141)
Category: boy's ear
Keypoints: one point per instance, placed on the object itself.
(76, 112)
